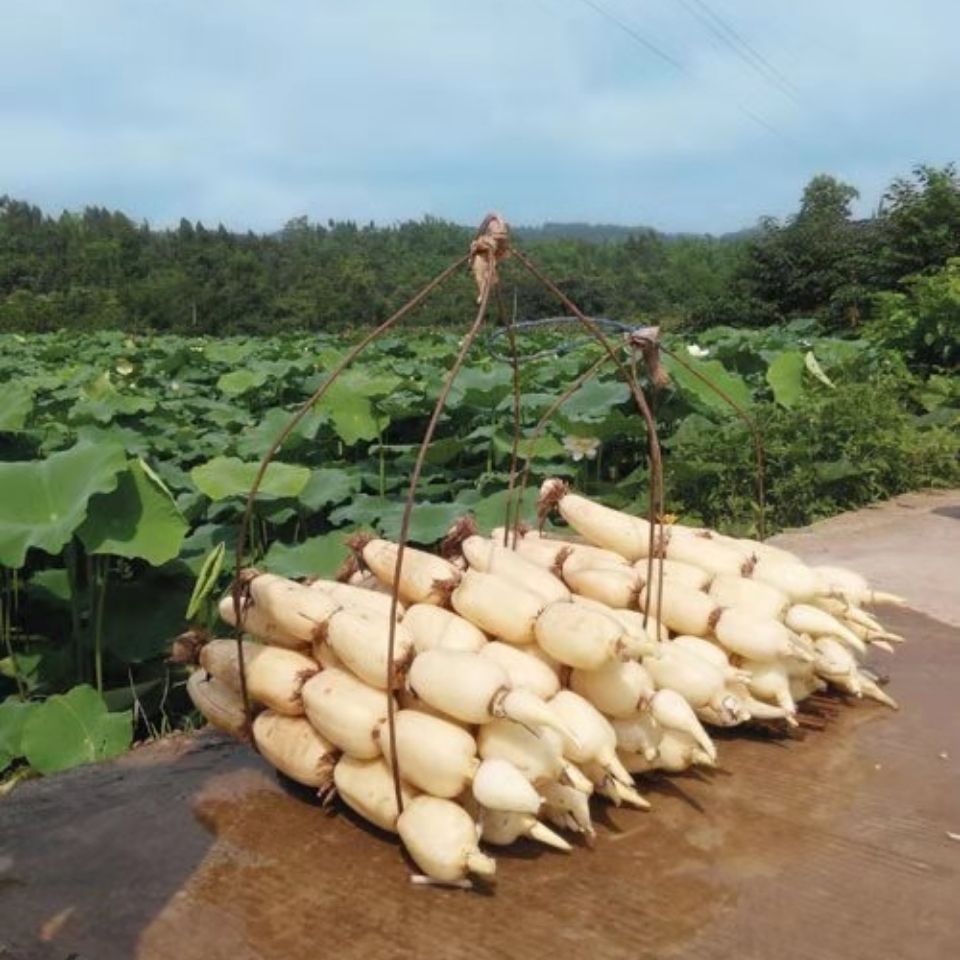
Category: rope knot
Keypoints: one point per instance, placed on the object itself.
(647, 341)
(491, 244)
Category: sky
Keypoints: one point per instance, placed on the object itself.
(685, 115)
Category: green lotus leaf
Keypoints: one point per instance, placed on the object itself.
(225, 477)
(594, 400)
(439, 453)
(137, 442)
(351, 413)
(138, 520)
(238, 382)
(367, 382)
(256, 441)
(13, 716)
(328, 487)
(785, 376)
(45, 501)
(50, 587)
(43, 671)
(362, 509)
(205, 538)
(317, 557)
(99, 387)
(481, 388)
(617, 425)
(428, 521)
(490, 512)
(104, 409)
(543, 447)
(230, 352)
(691, 386)
(74, 728)
(16, 405)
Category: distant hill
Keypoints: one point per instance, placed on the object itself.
(99, 269)
(612, 232)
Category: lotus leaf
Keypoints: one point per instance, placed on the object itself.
(74, 728)
(317, 557)
(137, 520)
(225, 477)
(785, 376)
(16, 405)
(45, 501)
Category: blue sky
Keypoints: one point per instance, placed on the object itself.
(250, 113)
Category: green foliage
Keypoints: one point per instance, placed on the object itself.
(923, 324)
(142, 615)
(138, 520)
(921, 222)
(225, 477)
(593, 401)
(207, 578)
(351, 412)
(13, 716)
(44, 502)
(820, 261)
(327, 487)
(490, 512)
(785, 376)
(98, 270)
(71, 729)
(428, 521)
(835, 449)
(238, 382)
(316, 557)
(16, 405)
(697, 386)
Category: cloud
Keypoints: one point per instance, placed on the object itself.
(251, 113)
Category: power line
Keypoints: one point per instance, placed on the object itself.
(737, 51)
(637, 37)
(630, 32)
(759, 57)
(779, 134)
(741, 47)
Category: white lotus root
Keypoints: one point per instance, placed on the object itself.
(532, 676)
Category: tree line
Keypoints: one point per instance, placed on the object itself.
(100, 270)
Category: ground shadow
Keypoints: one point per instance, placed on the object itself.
(105, 845)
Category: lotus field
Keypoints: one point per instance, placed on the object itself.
(124, 465)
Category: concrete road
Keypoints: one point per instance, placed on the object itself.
(909, 545)
(842, 844)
